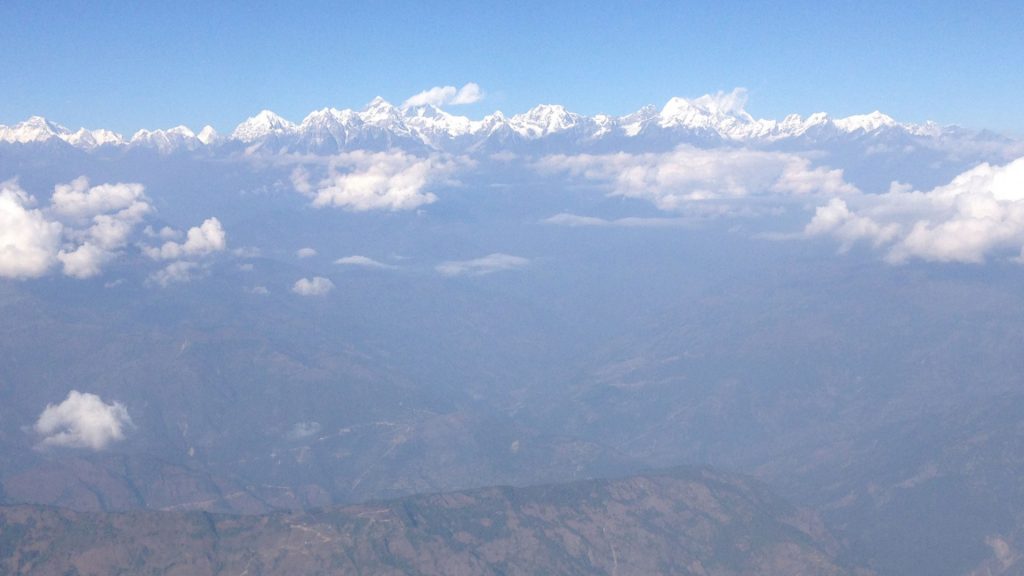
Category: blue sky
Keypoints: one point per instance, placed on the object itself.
(126, 66)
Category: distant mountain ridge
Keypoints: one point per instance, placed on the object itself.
(710, 120)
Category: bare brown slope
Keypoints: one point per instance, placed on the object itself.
(680, 522)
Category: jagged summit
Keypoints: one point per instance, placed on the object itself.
(866, 122)
(380, 112)
(260, 126)
(208, 135)
(543, 120)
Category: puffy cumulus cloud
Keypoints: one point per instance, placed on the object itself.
(362, 261)
(200, 241)
(165, 233)
(979, 212)
(85, 261)
(315, 286)
(496, 262)
(82, 420)
(84, 227)
(360, 181)
(28, 240)
(444, 95)
(179, 272)
(305, 252)
(577, 221)
(686, 178)
(78, 200)
(207, 238)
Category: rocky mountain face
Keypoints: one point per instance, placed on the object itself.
(686, 521)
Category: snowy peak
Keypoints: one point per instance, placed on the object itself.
(544, 120)
(380, 112)
(208, 135)
(165, 141)
(35, 129)
(260, 126)
(328, 117)
(432, 121)
(91, 139)
(721, 112)
(865, 122)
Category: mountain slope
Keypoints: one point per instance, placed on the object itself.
(684, 521)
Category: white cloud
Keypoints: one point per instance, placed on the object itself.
(165, 233)
(85, 261)
(444, 95)
(300, 181)
(207, 238)
(28, 241)
(84, 227)
(305, 252)
(363, 261)
(470, 93)
(82, 420)
(979, 212)
(686, 178)
(361, 181)
(303, 430)
(496, 262)
(258, 290)
(577, 221)
(316, 286)
(77, 200)
(178, 272)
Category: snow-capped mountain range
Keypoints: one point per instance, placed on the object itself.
(708, 120)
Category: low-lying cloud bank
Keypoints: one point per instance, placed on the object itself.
(363, 262)
(362, 181)
(82, 420)
(489, 264)
(85, 228)
(82, 229)
(980, 212)
(578, 221)
(689, 179)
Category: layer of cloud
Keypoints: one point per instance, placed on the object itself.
(28, 240)
(78, 200)
(165, 233)
(179, 272)
(689, 178)
(978, 213)
(446, 95)
(315, 286)
(207, 238)
(577, 221)
(305, 252)
(360, 181)
(84, 227)
(496, 262)
(362, 261)
(82, 420)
